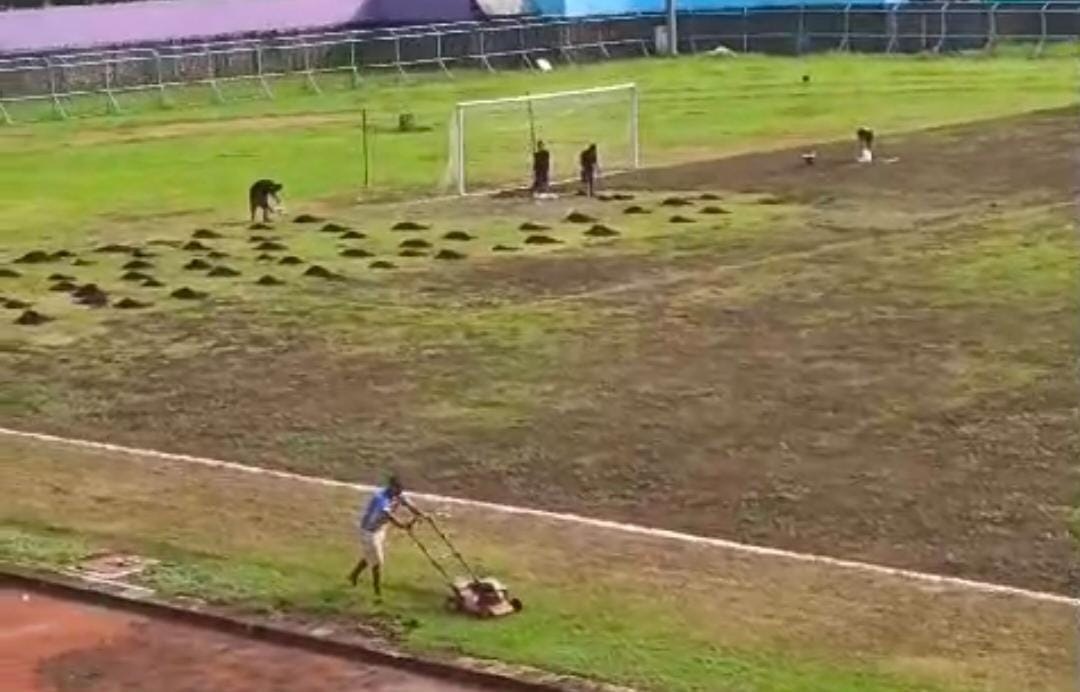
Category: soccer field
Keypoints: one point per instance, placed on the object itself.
(866, 362)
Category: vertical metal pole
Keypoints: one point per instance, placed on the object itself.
(364, 140)
(673, 27)
(459, 126)
(634, 131)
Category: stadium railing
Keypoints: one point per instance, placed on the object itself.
(56, 79)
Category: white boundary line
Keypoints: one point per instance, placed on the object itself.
(868, 568)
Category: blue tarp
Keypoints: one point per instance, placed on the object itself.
(584, 8)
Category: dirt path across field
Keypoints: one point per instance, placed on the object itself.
(1033, 155)
(49, 644)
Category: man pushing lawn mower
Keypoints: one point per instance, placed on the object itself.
(376, 518)
(483, 597)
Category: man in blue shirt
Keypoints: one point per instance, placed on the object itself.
(378, 514)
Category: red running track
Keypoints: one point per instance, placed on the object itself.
(55, 645)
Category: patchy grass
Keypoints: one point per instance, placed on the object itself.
(68, 179)
(647, 612)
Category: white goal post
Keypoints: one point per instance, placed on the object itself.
(492, 140)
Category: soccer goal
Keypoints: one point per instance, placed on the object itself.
(492, 141)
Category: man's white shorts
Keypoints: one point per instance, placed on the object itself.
(372, 546)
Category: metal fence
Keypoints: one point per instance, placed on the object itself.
(57, 81)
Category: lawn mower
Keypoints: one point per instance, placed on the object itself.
(482, 597)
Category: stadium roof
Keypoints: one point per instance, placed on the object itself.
(161, 21)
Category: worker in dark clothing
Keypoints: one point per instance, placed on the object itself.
(589, 163)
(541, 169)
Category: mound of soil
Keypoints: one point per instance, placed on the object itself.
(579, 217)
(142, 254)
(217, 254)
(290, 260)
(355, 252)
(635, 209)
(260, 227)
(116, 249)
(714, 210)
(13, 304)
(409, 226)
(267, 280)
(90, 295)
(414, 243)
(130, 304)
(205, 234)
(152, 283)
(222, 272)
(186, 293)
(165, 243)
(34, 257)
(137, 264)
(504, 248)
(308, 218)
(270, 246)
(675, 202)
(60, 277)
(542, 240)
(321, 273)
(410, 252)
(333, 228)
(446, 254)
(622, 197)
(457, 235)
(6, 273)
(260, 238)
(135, 276)
(62, 254)
(678, 218)
(352, 235)
(63, 287)
(265, 258)
(80, 262)
(197, 265)
(533, 226)
(601, 231)
(382, 264)
(708, 197)
(770, 200)
(31, 318)
(194, 246)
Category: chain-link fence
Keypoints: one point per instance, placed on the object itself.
(56, 83)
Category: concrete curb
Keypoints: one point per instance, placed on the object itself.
(468, 672)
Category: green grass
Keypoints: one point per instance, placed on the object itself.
(648, 614)
(88, 175)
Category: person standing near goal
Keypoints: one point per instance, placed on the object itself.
(589, 163)
(541, 169)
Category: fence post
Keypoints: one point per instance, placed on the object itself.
(4, 114)
(58, 108)
(891, 27)
(845, 39)
(991, 28)
(800, 30)
(943, 31)
(160, 78)
(111, 104)
(483, 52)
(353, 67)
(439, 53)
(261, 73)
(745, 29)
(1037, 53)
(212, 75)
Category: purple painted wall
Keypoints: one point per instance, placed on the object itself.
(166, 20)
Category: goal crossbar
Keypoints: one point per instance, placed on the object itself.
(629, 86)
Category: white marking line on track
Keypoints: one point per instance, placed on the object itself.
(865, 567)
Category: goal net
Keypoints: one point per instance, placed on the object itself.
(492, 141)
